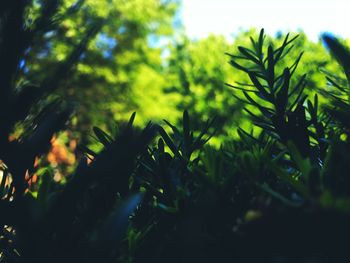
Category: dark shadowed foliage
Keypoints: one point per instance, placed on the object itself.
(85, 219)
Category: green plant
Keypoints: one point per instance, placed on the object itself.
(85, 219)
(279, 195)
(239, 201)
(303, 146)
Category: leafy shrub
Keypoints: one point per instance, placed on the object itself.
(84, 219)
(274, 197)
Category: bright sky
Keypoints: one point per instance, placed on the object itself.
(202, 17)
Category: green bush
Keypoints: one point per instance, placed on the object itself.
(85, 219)
(279, 195)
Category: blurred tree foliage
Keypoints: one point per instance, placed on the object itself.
(199, 72)
(137, 62)
(124, 55)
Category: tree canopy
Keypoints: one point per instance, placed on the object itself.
(137, 61)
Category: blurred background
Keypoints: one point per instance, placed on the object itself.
(159, 57)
